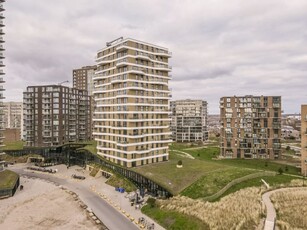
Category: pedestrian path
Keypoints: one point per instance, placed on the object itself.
(270, 209)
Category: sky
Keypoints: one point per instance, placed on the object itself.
(219, 47)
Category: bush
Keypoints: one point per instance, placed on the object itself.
(280, 171)
(151, 202)
(286, 169)
(288, 148)
(179, 162)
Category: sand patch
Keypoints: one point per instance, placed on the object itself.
(42, 205)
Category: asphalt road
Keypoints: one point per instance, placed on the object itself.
(111, 218)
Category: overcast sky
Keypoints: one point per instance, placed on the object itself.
(220, 48)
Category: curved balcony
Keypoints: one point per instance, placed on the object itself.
(164, 53)
(122, 62)
(121, 47)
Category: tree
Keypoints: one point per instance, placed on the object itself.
(280, 171)
(288, 148)
(286, 168)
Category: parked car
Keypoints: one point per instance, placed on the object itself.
(78, 177)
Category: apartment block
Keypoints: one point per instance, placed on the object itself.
(55, 114)
(304, 139)
(1, 74)
(250, 127)
(83, 78)
(189, 120)
(132, 102)
(13, 115)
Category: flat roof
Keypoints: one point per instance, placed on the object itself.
(135, 40)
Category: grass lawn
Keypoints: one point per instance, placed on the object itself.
(16, 145)
(176, 179)
(208, 153)
(194, 172)
(271, 180)
(214, 181)
(7, 179)
(174, 220)
(120, 181)
(116, 180)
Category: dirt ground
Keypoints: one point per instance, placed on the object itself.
(41, 205)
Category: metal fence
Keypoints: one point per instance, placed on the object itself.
(71, 154)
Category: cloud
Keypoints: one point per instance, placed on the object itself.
(219, 48)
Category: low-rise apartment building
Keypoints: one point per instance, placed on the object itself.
(250, 127)
(55, 114)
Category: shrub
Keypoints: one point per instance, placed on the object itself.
(179, 162)
(286, 169)
(266, 164)
(288, 148)
(240, 210)
(289, 217)
(151, 202)
(280, 171)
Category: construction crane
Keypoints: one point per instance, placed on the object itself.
(63, 82)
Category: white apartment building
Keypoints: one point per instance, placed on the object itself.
(12, 115)
(131, 117)
(189, 120)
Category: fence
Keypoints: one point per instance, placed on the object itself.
(71, 154)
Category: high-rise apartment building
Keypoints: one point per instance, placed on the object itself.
(55, 114)
(189, 120)
(83, 78)
(132, 102)
(13, 115)
(304, 139)
(250, 127)
(1, 73)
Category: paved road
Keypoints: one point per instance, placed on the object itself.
(105, 212)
